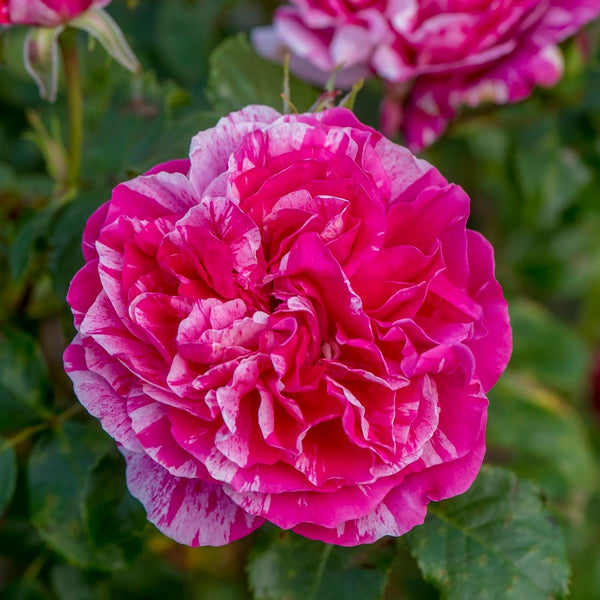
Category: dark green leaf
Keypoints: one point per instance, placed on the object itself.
(27, 589)
(495, 541)
(188, 29)
(296, 568)
(24, 386)
(65, 241)
(60, 469)
(173, 139)
(238, 77)
(18, 538)
(151, 577)
(25, 243)
(8, 474)
(113, 516)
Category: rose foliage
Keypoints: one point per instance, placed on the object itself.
(294, 325)
(434, 56)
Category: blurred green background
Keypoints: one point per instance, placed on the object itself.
(69, 529)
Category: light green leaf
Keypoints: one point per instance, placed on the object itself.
(547, 348)
(550, 175)
(536, 433)
(497, 541)
(238, 77)
(71, 583)
(296, 568)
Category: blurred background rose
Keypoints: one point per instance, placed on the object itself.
(434, 57)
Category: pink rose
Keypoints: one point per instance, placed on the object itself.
(294, 325)
(44, 13)
(435, 56)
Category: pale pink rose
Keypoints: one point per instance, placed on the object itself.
(294, 325)
(435, 55)
(44, 13)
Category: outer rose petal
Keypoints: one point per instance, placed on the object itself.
(484, 288)
(99, 398)
(190, 511)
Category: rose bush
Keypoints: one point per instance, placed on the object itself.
(434, 56)
(294, 325)
(45, 13)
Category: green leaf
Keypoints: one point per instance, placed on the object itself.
(550, 175)
(188, 29)
(495, 541)
(25, 243)
(141, 114)
(173, 139)
(18, 538)
(238, 77)
(113, 516)
(541, 437)
(295, 568)
(8, 474)
(27, 589)
(60, 470)
(65, 257)
(547, 348)
(71, 583)
(153, 577)
(24, 385)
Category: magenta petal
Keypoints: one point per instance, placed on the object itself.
(190, 511)
(293, 326)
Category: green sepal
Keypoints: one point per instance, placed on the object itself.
(101, 26)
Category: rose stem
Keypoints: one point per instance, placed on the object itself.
(68, 49)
